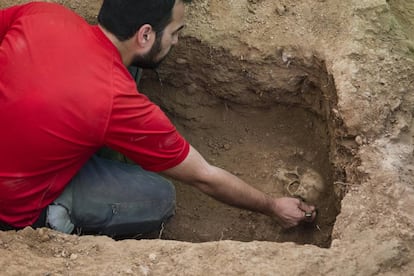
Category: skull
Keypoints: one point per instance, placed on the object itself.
(308, 185)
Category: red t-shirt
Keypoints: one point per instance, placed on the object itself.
(64, 93)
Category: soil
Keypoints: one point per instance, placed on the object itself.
(281, 94)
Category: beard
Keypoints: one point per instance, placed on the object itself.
(149, 60)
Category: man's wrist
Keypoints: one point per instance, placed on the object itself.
(271, 206)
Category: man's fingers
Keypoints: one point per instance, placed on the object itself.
(305, 207)
(309, 211)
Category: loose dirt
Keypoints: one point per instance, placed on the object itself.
(279, 93)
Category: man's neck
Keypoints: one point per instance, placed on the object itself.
(122, 46)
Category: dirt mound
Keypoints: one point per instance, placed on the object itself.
(276, 92)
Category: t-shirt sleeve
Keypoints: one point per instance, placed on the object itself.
(140, 129)
(7, 16)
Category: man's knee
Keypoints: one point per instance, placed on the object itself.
(140, 217)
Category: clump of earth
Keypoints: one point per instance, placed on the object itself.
(310, 98)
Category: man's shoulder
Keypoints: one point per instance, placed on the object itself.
(38, 12)
(33, 8)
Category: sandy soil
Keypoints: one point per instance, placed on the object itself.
(273, 91)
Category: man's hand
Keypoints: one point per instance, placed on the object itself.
(292, 211)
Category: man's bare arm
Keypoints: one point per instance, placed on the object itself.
(229, 189)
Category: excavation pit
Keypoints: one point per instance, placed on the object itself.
(271, 122)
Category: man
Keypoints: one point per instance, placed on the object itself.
(65, 92)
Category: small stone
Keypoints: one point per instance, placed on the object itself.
(43, 235)
(280, 9)
(73, 256)
(286, 57)
(361, 169)
(152, 257)
(181, 61)
(359, 140)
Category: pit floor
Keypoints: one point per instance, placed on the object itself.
(258, 145)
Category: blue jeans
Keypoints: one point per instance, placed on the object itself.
(112, 198)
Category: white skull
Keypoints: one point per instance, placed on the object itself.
(308, 185)
(311, 186)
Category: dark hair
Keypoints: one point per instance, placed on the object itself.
(123, 18)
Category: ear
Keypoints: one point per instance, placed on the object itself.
(145, 37)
